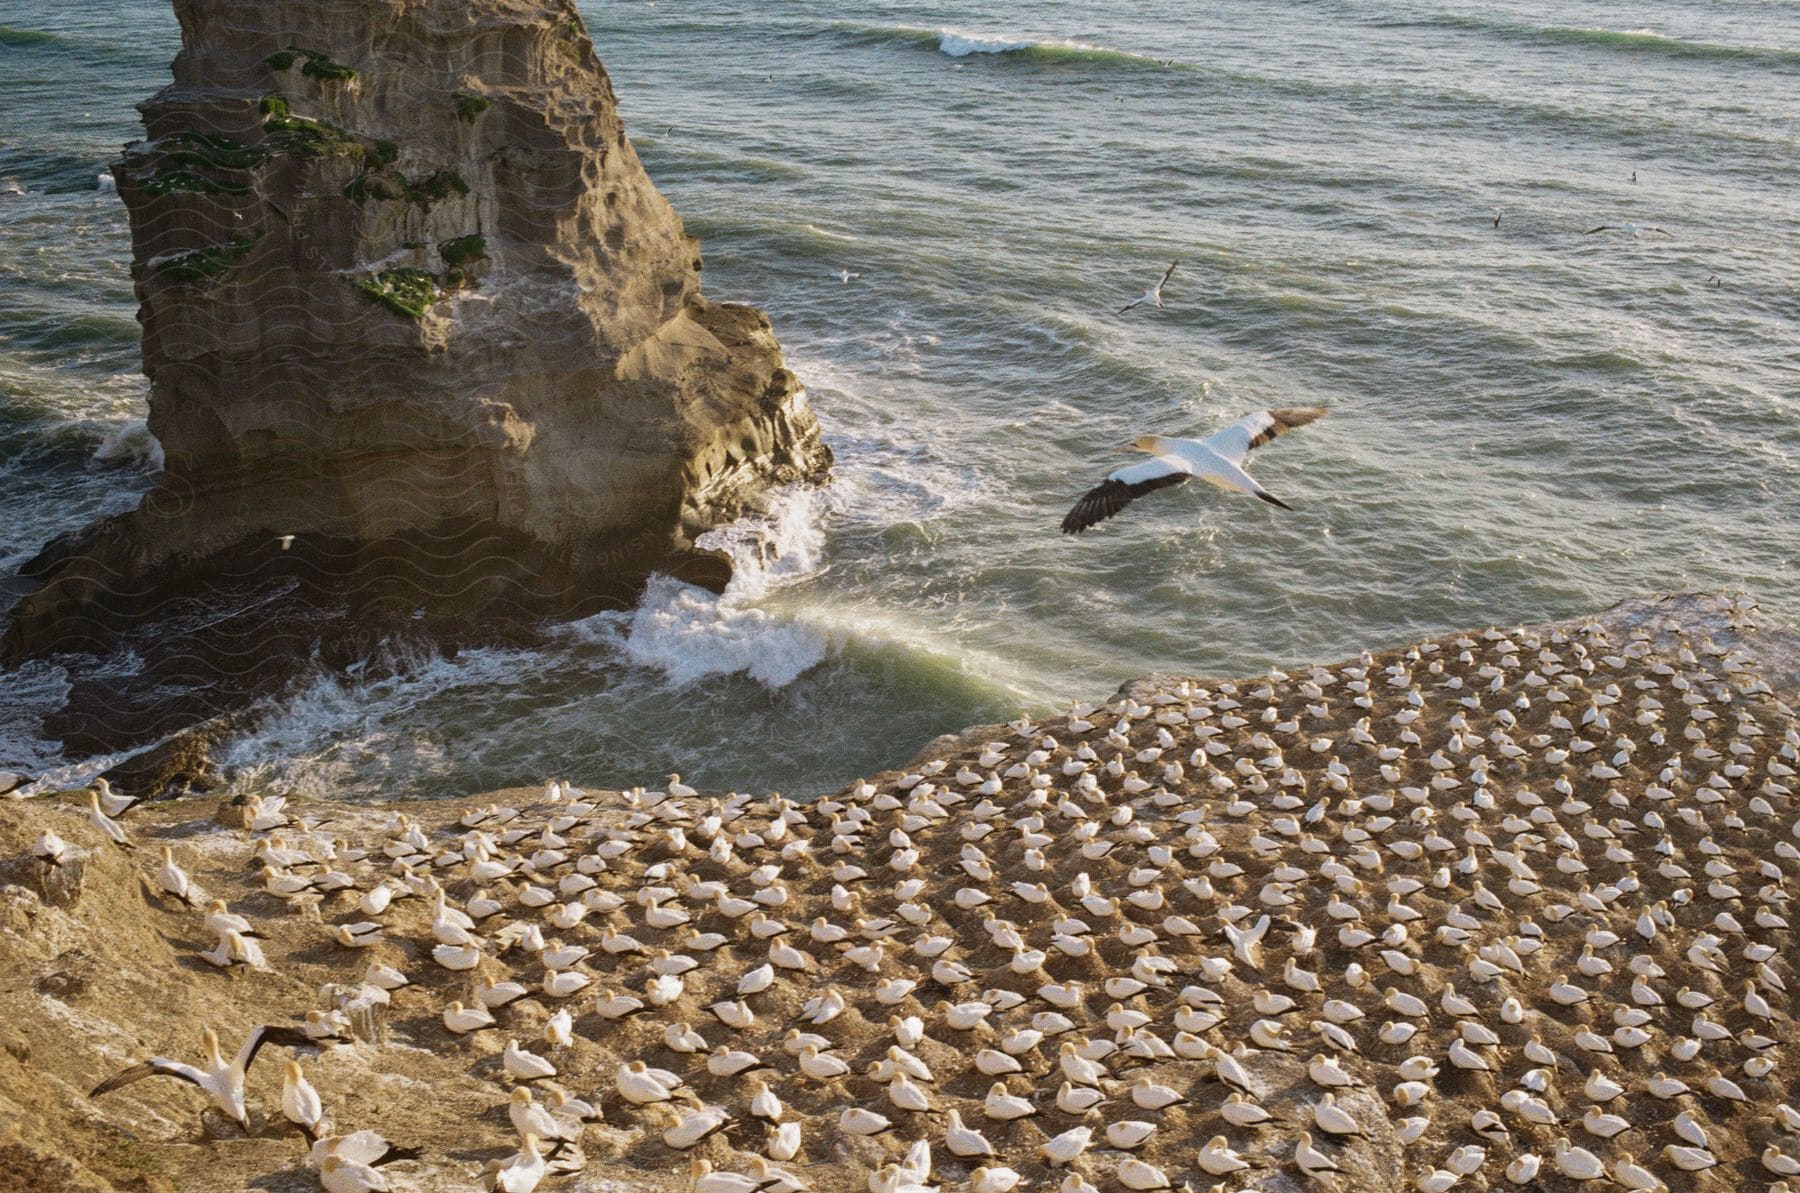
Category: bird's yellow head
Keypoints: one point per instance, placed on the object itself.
(1146, 443)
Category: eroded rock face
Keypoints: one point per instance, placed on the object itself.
(410, 298)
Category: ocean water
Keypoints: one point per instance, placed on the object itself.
(1527, 422)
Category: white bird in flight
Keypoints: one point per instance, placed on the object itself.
(1634, 229)
(1153, 294)
(1218, 459)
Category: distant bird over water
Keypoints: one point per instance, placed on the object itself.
(1633, 229)
(1496, 217)
(1154, 294)
(1218, 459)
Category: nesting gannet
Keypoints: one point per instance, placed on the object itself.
(1153, 295)
(300, 1103)
(685, 1129)
(223, 1080)
(1003, 1105)
(173, 880)
(1135, 1174)
(366, 1148)
(640, 1084)
(524, 1170)
(993, 1179)
(1217, 459)
(1066, 1148)
(528, 1118)
(961, 1140)
(1216, 1157)
(463, 1020)
(49, 848)
(1239, 1111)
(339, 1175)
(524, 1065)
(858, 1121)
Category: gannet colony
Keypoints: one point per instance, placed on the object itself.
(1509, 908)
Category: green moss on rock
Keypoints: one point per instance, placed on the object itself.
(468, 107)
(317, 65)
(327, 71)
(463, 250)
(408, 292)
(219, 153)
(369, 185)
(187, 182)
(305, 137)
(204, 265)
(435, 187)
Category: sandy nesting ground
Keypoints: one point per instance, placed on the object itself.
(1500, 895)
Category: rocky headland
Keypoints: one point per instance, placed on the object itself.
(1504, 909)
(427, 356)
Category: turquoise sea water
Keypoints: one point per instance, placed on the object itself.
(1527, 422)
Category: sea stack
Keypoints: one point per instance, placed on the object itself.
(409, 297)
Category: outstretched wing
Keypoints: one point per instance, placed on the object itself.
(154, 1067)
(1254, 430)
(1122, 488)
(395, 1155)
(1167, 274)
(1601, 228)
(270, 1034)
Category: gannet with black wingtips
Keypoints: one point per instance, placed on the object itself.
(1153, 295)
(1218, 459)
(223, 1080)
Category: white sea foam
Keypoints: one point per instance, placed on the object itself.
(33, 691)
(960, 45)
(131, 443)
(689, 634)
(341, 732)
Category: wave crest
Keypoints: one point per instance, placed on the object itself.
(133, 444)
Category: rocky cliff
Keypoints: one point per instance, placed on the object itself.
(409, 297)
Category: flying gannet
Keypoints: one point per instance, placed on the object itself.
(1154, 294)
(1635, 230)
(1217, 459)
